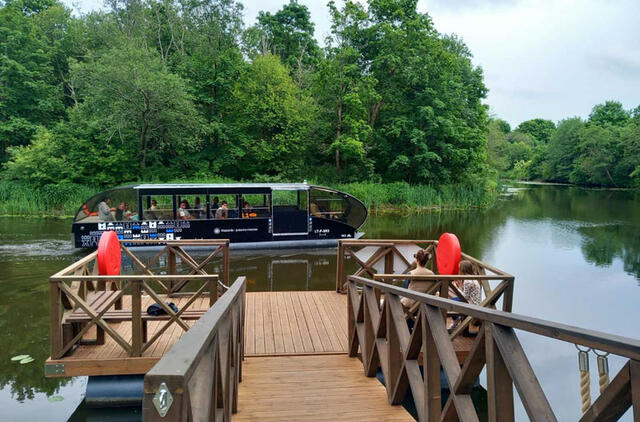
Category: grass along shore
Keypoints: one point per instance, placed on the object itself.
(63, 200)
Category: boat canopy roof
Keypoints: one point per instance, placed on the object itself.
(220, 187)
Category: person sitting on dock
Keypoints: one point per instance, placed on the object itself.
(223, 211)
(104, 212)
(183, 212)
(422, 286)
(470, 289)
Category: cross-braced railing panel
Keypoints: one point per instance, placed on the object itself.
(81, 299)
(201, 372)
(379, 332)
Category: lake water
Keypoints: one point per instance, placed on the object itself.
(575, 254)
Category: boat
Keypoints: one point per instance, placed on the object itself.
(256, 215)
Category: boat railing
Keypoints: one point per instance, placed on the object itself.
(81, 299)
(379, 334)
(197, 379)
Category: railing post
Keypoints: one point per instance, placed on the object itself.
(432, 389)
(56, 320)
(225, 270)
(171, 266)
(136, 318)
(340, 267)
(507, 298)
(499, 383)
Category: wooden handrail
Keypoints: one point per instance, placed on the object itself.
(442, 277)
(201, 372)
(380, 336)
(618, 345)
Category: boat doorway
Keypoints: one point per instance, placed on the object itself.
(290, 212)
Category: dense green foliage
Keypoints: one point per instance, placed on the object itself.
(604, 150)
(165, 89)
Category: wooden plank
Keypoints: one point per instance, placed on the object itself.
(333, 332)
(296, 334)
(312, 388)
(278, 333)
(287, 332)
(249, 331)
(259, 324)
(267, 315)
(112, 366)
(300, 306)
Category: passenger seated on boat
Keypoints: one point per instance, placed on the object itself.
(183, 213)
(104, 212)
(422, 286)
(314, 209)
(152, 213)
(198, 208)
(247, 211)
(223, 211)
(120, 212)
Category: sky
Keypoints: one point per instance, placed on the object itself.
(548, 59)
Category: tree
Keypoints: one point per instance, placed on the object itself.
(609, 113)
(562, 150)
(540, 129)
(428, 122)
(597, 155)
(131, 97)
(289, 34)
(29, 94)
(271, 119)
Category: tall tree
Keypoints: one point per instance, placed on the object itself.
(271, 121)
(561, 154)
(540, 129)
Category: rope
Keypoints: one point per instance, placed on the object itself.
(585, 378)
(603, 370)
(585, 391)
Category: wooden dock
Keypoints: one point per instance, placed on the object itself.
(312, 388)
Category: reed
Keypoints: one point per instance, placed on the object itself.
(60, 200)
(64, 199)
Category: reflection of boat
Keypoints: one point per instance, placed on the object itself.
(257, 215)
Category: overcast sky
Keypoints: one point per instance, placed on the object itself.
(541, 58)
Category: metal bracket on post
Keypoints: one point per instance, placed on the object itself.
(163, 400)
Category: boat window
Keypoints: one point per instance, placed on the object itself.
(337, 206)
(196, 206)
(123, 205)
(255, 205)
(157, 207)
(290, 199)
(232, 205)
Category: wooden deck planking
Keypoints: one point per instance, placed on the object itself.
(311, 388)
(295, 323)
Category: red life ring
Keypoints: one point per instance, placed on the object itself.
(109, 258)
(448, 254)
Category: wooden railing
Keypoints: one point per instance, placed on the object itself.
(78, 294)
(197, 379)
(385, 254)
(378, 331)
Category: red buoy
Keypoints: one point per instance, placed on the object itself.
(448, 254)
(109, 254)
